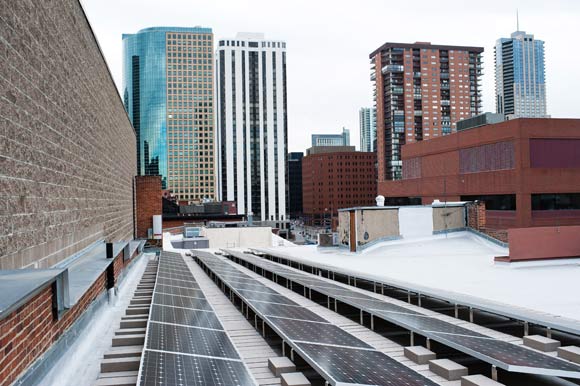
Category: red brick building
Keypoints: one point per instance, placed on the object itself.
(421, 91)
(334, 178)
(526, 170)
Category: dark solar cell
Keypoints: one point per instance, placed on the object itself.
(363, 367)
(509, 353)
(181, 301)
(425, 323)
(162, 369)
(301, 330)
(176, 283)
(189, 340)
(187, 317)
(266, 297)
(270, 309)
(181, 291)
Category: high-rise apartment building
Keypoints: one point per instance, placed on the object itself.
(342, 139)
(368, 128)
(168, 93)
(520, 83)
(252, 125)
(420, 90)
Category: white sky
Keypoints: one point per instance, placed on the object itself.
(328, 44)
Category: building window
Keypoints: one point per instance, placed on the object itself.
(556, 201)
(495, 201)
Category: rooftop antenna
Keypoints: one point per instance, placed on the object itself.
(517, 19)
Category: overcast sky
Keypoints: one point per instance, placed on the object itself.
(329, 42)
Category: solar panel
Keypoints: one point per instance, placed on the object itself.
(162, 369)
(181, 301)
(176, 280)
(266, 297)
(304, 331)
(502, 354)
(189, 340)
(181, 291)
(184, 316)
(297, 324)
(362, 367)
(174, 283)
(426, 323)
(509, 353)
(271, 309)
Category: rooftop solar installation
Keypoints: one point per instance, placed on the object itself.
(555, 322)
(339, 357)
(185, 343)
(491, 350)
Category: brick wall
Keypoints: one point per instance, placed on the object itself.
(477, 219)
(31, 330)
(67, 148)
(148, 202)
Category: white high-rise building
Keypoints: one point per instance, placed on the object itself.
(368, 128)
(252, 133)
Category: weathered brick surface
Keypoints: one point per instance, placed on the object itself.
(148, 202)
(67, 148)
(29, 331)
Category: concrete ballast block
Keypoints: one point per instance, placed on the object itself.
(280, 365)
(419, 354)
(478, 380)
(112, 365)
(571, 353)
(452, 371)
(541, 343)
(294, 379)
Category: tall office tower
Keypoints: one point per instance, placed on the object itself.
(420, 90)
(342, 139)
(252, 125)
(520, 83)
(168, 93)
(368, 128)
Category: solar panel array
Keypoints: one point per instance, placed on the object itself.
(338, 356)
(508, 356)
(185, 343)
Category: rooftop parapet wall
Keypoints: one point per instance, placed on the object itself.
(543, 243)
(67, 148)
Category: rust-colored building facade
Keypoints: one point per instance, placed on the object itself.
(336, 179)
(526, 170)
(421, 91)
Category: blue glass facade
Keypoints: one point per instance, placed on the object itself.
(145, 95)
(520, 76)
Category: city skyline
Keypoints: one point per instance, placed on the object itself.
(332, 100)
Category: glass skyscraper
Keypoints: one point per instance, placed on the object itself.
(520, 76)
(168, 94)
(368, 128)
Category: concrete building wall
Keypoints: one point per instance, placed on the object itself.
(343, 228)
(375, 225)
(238, 237)
(67, 148)
(449, 218)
